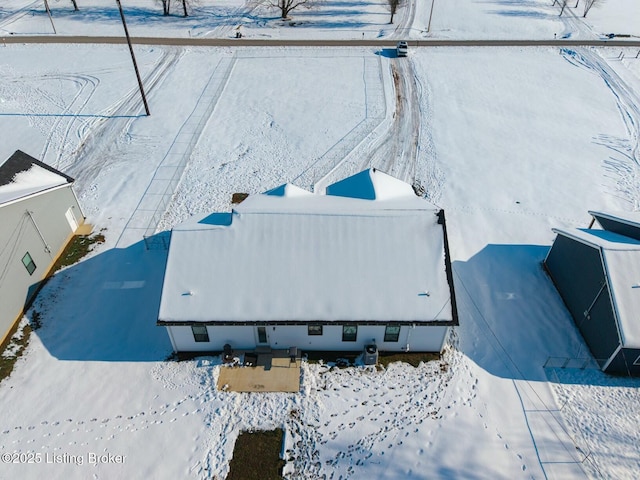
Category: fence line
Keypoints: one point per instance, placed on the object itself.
(375, 113)
(166, 178)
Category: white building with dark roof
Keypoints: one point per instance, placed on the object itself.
(39, 213)
(366, 263)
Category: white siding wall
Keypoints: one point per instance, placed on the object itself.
(417, 339)
(19, 235)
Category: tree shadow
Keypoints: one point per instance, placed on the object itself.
(105, 308)
(210, 17)
(512, 319)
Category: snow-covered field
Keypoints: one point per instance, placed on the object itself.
(512, 142)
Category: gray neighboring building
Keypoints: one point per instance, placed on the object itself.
(597, 273)
(39, 214)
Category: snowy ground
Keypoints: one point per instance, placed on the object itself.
(511, 142)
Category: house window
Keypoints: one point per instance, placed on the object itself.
(262, 334)
(200, 333)
(349, 333)
(315, 330)
(392, 333)
(637, 362)
(27, 261)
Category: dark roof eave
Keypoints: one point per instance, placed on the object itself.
(284, 323)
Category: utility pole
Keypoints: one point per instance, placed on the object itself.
(46, 6)
(133, 58)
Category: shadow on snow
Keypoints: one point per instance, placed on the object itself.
(512, 319)
(105, 308)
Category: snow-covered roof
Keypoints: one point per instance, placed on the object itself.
(306, 258)
(22, 175)
(621, 260)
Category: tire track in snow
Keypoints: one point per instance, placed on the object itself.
(101, 136)
(58, 138)
(429, 178)
(625, 163)
(226, 30)
(397, 151)
(573, 24)
(407, 17)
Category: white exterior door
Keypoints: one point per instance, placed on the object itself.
(71, 218)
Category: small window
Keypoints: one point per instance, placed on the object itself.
(315, 330)
(200, 333)
(637, 362)
(27, 261)
(392, 333)
(349, 333)
(262, 334)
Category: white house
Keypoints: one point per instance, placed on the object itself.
(366, 263)
(39, 213)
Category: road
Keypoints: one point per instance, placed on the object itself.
(254, 42)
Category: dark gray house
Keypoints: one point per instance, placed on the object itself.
(597, 273)
(39, 214)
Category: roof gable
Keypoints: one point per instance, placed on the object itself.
(287, 190)
(371, 184)
(22, 175)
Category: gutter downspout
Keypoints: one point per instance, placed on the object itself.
(409, 330)
(173, 342)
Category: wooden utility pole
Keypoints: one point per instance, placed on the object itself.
(135, 65)
(46, 6)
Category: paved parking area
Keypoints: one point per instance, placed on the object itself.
(276, 375)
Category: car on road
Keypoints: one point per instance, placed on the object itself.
(402, 48)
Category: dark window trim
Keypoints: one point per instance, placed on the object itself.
(392, 337)
(349, 337)
(200, 336)
(314, 330)
(262, 339)
(30, 264)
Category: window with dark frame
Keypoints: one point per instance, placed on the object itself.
(349, 333)
(28, 263)
(392, 333)
(262, 334)
(200, 333)
(637, 362)
(314, 330)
